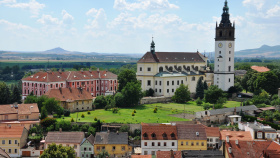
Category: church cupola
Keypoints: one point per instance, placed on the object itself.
(225, 16)
(153, 46)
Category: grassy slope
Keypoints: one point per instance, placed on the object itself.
(144, 113)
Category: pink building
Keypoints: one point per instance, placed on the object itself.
(95, 82)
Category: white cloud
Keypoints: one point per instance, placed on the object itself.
(49, 20)
(7, 1)
(99, 18)
(273, 12)
(144, 5)
(258, 4)
(33, 6)
(13, 26)
(66, 17)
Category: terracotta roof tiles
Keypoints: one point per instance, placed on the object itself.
(167, 154)
(20, 109)
(236, 135)
(191, 132)
(11, 132)
(69, 94)
(159, 132)
(260, 68)
(141, 156)
(212, 131)
(65, 137)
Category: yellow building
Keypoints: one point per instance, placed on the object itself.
(25, 115)
(191, 137)
(12, 139)
(116, 144)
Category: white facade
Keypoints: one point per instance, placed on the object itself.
(150, 147)
(224, 64)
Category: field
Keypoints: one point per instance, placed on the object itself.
(144, 113)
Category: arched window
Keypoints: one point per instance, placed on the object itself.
(179, 68)
(188, 68)
(153, 135)
(221, 33)
(193, 78)
(170, 68)
(145, 135)
(196, 68)
(160, 69)
(164, 135)
(172, 135)
(229, 33)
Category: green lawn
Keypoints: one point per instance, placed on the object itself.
(144, 113)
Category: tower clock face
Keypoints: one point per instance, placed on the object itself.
(230, 45)
(220, 45)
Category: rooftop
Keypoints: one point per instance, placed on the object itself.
(111, 138)
(236, 135)
(3, 154)
(11, 132)
(24, 109)
(65, 137)
(159, 132)
(202, 153)
(212, 131)
(238, 109)
(191, 132)
(69, 94)
(260, 68)
(167, 154)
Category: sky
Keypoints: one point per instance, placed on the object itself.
(127, 26)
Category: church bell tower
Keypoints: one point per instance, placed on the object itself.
(224, 51)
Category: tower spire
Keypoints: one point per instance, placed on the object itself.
(153, 46)
(225, 16)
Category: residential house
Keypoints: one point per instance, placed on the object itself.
(273, 151)
(220, 115)
(169, 154)
(13, 139)
(248, 149)
(87, 147)
(165, 71)
(191, 137)
(25, 115)
(3, 154)
(259, 131)
(234, 119)
(213, 137)
(95, 82)
(260, 68)
(235, 135)
(73, 139)
(240, 73)
(73, 99)
(116, 144)
(202, 153)
(156, 137)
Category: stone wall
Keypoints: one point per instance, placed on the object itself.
(151, 100)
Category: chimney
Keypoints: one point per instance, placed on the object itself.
(236, 141)
(229, 150)
(255, 122)
(60, 130)
(227, 139)
(172, 154)
(60, 71)
(117, 132)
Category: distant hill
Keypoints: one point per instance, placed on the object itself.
(265, 51)
(57, 50)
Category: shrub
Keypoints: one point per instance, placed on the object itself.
(155, 110)
(198, 101)
(134, 111)
(72, 120)
(95, 118)
(132, 114)
(115, 110)
(124, 128)
(66, 112)
(88, 112)
(206, 106)
(47, 122)
(83, 116)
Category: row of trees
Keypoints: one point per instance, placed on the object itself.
(8, 95)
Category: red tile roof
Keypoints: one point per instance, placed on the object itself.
(246, 149)
(271, 154)
(21, 109)
(160, 131)
(69, 76)
(69, 94)
(167, 154)
(236, 135)
(212, 131)
(171, 57)
(65, 137)
(11, 132)
(260, 68)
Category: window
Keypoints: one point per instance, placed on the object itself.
(15, 150)
(153, 135)
(218, 65)
(160, 69)
(145, 152)
(78, 83)
(156, 83)
(178, 82)
(182, 82)
(85, 149)
(123, 148)
(114, 148)
(153, 144)
(197, 143)
(187, 143)
(159, 90)
(164, 135)
(61, 85)
(10, 150)
(73, 83)
(15, 141)
(145, 144)
(173, 143)
(259, 135)
(229, 80)
(140, 69)
(153, 153)
(56, 85)
(192, 144)
(51, 85)
(220, 52)
(10, 142)
(149, 83)
(82, 102)
(156, 90)
(182, 143)
(145, 135)
(3, 141)
(193, 78)
(211, 139)
(268, 136)
(98, 148)
(160, 83)
(229, 59)
(172, 135)
(103, 147)
(167, 83)
(149, 69)
(172, 90)
(217, 140)
(229, 68)
(83, 155)
(167, 90)
(75, 146)
(164, 144)
(229, 52)
(158, 144)
(172, 83)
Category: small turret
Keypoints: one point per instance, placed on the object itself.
(153, 46)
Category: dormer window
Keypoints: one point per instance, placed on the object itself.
(153, 135)
(145, 135)
(164, 135)
(172, 135)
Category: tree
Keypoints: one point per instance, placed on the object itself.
(44, 113)
(199, 88)
(182, 94)
(267, 81)
(205, 85)
(5, 94)
(91, 130)
(58, 151)
(30, 99)
(124, 128)
(149, 92)
(64, 125)
(213, 94)
(125, 77)
(51, 105)
(100, 102)
(16, 95)
(103, 154)
(119, 100)
(132, 93)
(40, 100)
